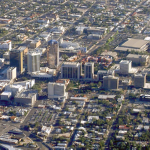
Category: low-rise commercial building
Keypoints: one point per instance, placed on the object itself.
(106, 97)
(48, 71)
(6, 45)
(110, 54)
(3, 84)
(14, 89)
(94, 37)
(78, 99)
(6, 95)
(5, 20)
(97, 30)
(133, 45)
(26, 84)
(27, 97)
(138, 59)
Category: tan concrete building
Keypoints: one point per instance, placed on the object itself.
(24, 49)
(35, 43)
(138, 59)
(12, 73)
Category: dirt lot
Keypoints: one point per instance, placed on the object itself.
(2, 25)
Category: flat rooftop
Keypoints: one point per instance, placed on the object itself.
(89, 63)
(139, 75)
(26, 94)
(125, 61)
(110, 77)
(106, 96)
(97, 28)
(147, 86)
(22, 48)
(71, 64)
(136, 56)
(135, 43)
(113, 54)
(5, 93)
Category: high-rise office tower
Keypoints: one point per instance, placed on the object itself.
(89, 70)
(56, 90)
(102, 73)
(125, 66)
(139, 80)
(71, 70)
(33, 62)
(53, 54)
(110, 82)
(16, 59)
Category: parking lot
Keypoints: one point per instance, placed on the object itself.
(44, 116)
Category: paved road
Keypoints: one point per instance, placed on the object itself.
(111, 130)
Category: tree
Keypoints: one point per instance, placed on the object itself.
(99, 84)
(65, 57)
(132, 96)
(111, 143)
(101, 143)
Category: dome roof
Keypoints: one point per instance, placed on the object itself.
(52, 42)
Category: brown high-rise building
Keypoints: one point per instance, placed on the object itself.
(16, 59)
(110, 82)
(139, 80)
(53, 54)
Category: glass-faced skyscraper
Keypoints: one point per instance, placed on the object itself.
(53, 54)
(16, 59)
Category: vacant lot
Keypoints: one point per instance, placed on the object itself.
(2, 25)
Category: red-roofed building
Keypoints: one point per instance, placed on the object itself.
(124, 127)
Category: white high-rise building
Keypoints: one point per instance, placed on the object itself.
(89, 70)
(12, 73)
(125, 66)
(33, 62)
(56, 90)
